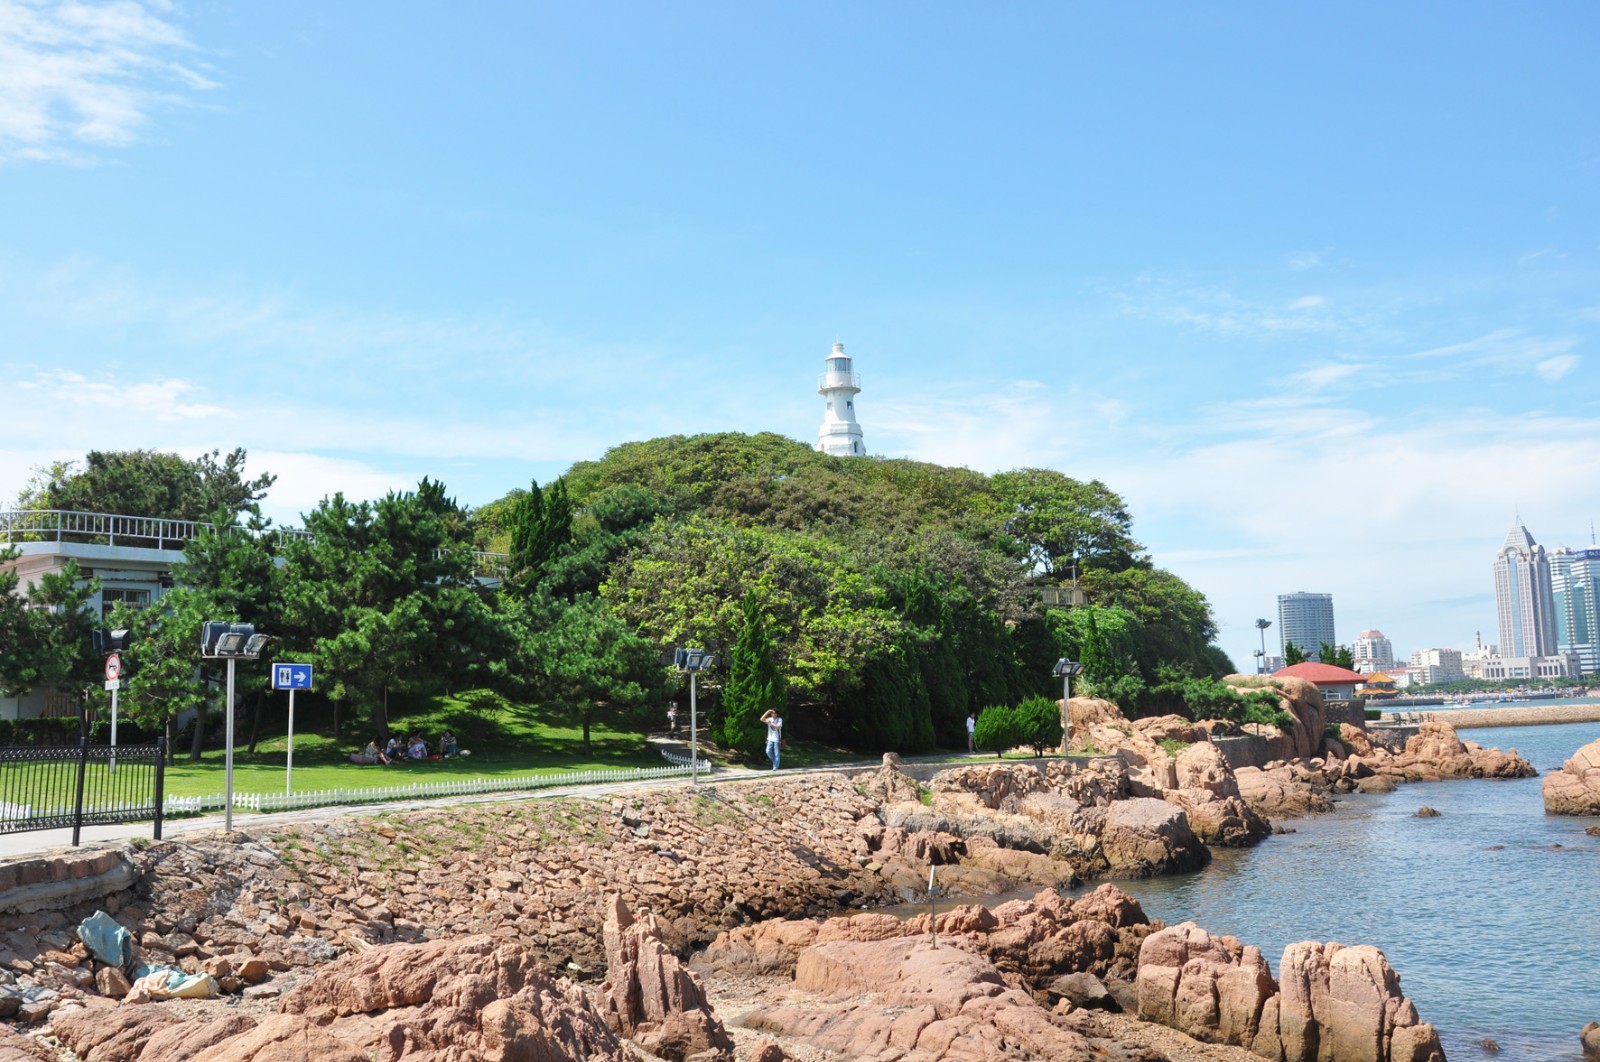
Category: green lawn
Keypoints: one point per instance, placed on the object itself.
(504, 738)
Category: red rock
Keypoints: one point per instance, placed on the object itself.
(647, 994)
(1575, 788)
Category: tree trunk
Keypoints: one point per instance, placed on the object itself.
(172, 736)
(199, 728)
(255, 723)
(586, 731)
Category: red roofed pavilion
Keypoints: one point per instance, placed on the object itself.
(1336, 683)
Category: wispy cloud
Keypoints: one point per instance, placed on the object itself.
(78, 77)
(1555, 368)
(1303, 260)
(1225, 313)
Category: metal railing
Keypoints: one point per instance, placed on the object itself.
(55, 786)
(831, 380)
(154, 532)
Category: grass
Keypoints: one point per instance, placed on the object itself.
(505, 738)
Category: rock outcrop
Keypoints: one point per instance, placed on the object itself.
(452, 999)
(1331, 1002)
(649, 997)
(1575, 788)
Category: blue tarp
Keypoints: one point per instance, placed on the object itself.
(110, 942)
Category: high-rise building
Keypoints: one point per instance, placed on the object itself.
(1372, 652)
(1438, 665)
(1575, 586)
(1523, 597)
(1307, 621)
(838, 385)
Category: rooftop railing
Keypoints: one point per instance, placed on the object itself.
(155, 532)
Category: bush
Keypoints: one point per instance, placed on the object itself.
(1372, 713)
(1040, 722)
(998, 729)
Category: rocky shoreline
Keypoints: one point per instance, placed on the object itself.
(481, 931)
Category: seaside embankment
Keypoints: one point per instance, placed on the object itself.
(1510, 715)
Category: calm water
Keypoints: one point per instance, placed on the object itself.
(1487, 912)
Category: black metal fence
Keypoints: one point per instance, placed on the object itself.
(52, 787)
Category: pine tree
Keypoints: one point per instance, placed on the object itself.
(1293, 654)
(541, 527)
(754, 683)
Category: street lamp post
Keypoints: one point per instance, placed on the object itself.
(694, 661)
(1262, 625)
(111, 643)
(1064, 670)
(220, 640)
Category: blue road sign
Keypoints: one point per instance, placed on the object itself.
(291, 676)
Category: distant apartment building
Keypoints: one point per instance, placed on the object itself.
(1575, 586)
(1307, 621)
(1372, 652)
(1437, 665)
(1555, 665)
(1524, 597)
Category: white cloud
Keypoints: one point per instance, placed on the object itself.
(1303, 260)
(1308, 302)
(1555, 368)
(160, 400)
(1323, 376)
(78, 76)
(1217, 310)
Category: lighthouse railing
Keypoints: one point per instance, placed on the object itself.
(838, 379)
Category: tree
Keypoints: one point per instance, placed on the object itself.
(382, 596)
(1337, 655)
(148, 483)
(1039, 721)
(754, 683)
(581, 658)
(997, 729)
(541, 528)
(1293, 654)
(45, 631)
(1056, 519)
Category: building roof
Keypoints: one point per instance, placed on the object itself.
(1518, 538)
(1320, 674)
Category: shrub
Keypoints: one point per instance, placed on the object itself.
(1372, 713)
(1040, 721)
(1173, 747)
(998, 729)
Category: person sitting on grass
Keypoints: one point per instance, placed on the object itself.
(417, 749)
(369, 755)
(395, 751)
(448, 745)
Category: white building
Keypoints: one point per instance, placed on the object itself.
(1438, 665)
(1523, 596)
(1372, 652)
(1306, 620)
(838, 385)
(1575, 583)
(1555, 665)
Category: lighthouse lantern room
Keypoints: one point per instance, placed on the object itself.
(838, 385)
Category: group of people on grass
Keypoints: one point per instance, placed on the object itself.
(412, 749)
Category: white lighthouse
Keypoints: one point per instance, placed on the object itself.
(839, 385)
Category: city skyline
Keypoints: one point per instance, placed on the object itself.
(1317, 329)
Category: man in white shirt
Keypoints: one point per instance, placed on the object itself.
(774, 723)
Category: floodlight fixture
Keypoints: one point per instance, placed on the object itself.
(232, 642)
(1066, 668)
(693, 661)
(105, 641)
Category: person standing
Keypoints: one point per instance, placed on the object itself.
(774, 723)
(972, 728)
(672, 717)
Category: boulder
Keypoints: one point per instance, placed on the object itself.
(1590, 1039)
(15, 1047)
(649, 996)
(1575, 788)
(1280, 793)
(1332, 1002)
(1223, 822)
(1203, 766)
(907, 999)
(1144, 837)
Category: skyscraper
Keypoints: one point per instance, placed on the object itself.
(1307, 621)
(1523, 597)
(1372, 652)
(1575, 585)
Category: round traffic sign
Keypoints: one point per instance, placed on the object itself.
(113, 667)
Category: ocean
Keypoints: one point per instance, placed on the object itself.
(1486, 912)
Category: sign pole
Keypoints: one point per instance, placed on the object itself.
(113, 682)
(288, 781)
(694, 734)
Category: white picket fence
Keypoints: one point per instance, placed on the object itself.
(176, 805)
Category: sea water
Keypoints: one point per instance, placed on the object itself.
(1488, 912)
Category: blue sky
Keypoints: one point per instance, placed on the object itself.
(1315, 289)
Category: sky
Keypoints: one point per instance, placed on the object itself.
(1315, 289)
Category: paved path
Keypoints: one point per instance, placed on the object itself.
(1519, 715)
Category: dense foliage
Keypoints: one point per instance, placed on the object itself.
(882, 599)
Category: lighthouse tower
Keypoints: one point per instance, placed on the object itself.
(839, 385)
